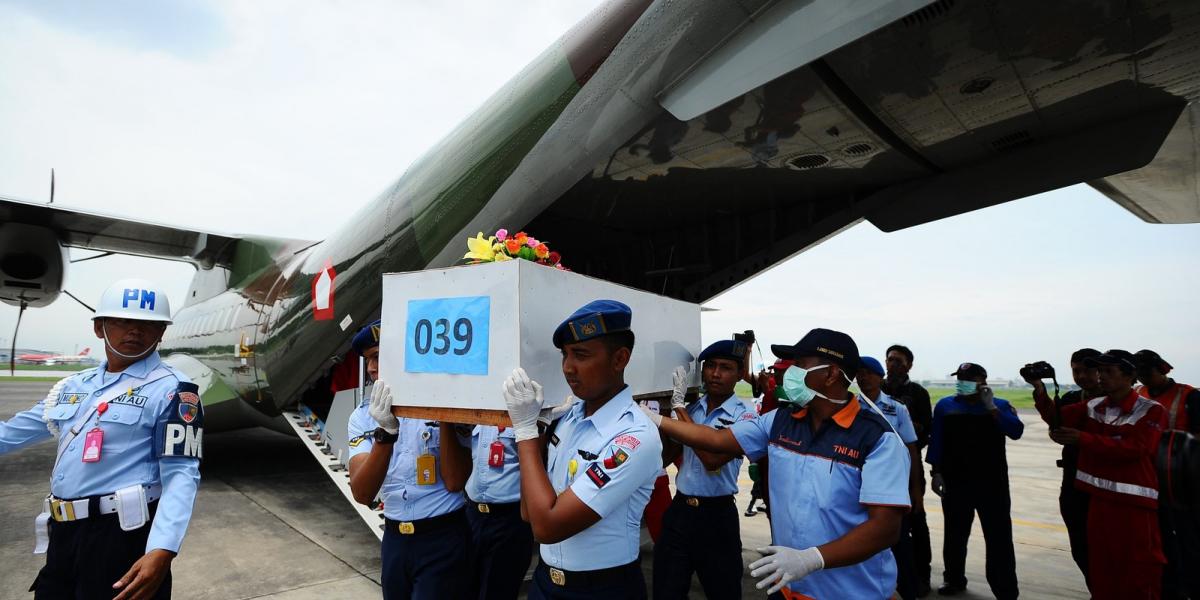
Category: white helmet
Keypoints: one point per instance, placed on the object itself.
(134, 299)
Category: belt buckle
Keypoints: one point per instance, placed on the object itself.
(693, 502)
(483, 508)
(557, 576)
(407, 528)
(62, 510)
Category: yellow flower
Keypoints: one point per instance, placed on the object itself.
(480, 248)
(501, 257)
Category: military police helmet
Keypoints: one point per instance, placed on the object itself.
(134, 299)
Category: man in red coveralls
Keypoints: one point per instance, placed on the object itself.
(1117, 435)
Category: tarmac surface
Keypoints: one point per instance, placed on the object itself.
(269, 524)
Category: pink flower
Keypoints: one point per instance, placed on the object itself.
(532, 243)
(502, 234)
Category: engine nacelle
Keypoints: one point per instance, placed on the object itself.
(33, 264)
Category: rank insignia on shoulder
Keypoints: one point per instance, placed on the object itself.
(358, 439)
(180, 431)
(597, 475)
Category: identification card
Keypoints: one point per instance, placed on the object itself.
(496, 454)
(93, 442)
(426, 470)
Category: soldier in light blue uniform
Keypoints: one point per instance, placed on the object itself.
(700, 528)
(485, 456)
(129, 438)
(585, 506)
(425, 542)
(870, 383)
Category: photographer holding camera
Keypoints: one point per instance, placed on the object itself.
(1117, 436)
(1072, 502)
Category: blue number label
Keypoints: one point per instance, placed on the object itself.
(448, 335)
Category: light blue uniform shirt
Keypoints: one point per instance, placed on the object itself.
(128, 455)
(403, 499)
(614, 475)
(693, 478)
(896, 413)
(488, 484)
(821, 485)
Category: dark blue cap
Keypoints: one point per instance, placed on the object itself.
(367, 337)
(731, 349)
(592, 320)
(969, 371)
(834, 346)
(872, 365)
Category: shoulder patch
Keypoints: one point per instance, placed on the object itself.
(628, 441)
(180, 430)
(597, 475)
(358, 439)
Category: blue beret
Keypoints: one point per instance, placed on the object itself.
(872, 365)
(731, 349)
(592, 320)
(367, 337)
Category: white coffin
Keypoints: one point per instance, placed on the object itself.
(451, 336)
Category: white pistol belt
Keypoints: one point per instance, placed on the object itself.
(77, 510)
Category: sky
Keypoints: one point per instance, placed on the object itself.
(283, 118)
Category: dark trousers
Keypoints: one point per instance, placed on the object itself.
(500, 551)
(87, 557)
(1181, 545)
(922, 548)
(703, 539)
(426, 565)
(959, 505)
(906, 577)
(630, 586)
(1073, 505)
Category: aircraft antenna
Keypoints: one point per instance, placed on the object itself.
(12, 351)
(90, 309)
(51, 185)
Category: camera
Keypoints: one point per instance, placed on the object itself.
(1038, 370)
(742, 343)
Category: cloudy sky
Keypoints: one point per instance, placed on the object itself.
(282, 118)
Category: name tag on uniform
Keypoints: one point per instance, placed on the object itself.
(496, 454)
(93, 442)
(426, 470)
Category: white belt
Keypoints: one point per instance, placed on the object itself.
(75, 510)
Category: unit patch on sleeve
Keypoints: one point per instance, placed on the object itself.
(180, 430)
(597, 475)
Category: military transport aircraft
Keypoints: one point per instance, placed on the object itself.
(710, 140)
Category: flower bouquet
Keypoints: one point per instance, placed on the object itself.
(501, 247)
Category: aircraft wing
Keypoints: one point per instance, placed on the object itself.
(95, 231)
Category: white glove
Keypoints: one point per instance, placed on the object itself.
(523, 397)
(679, 386)
(381, 407)
(937, 484)
(782, 565)
(654, 416)
(987, 397)
(548, 415)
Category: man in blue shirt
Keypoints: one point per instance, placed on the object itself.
(839, 477)
(602, 457)
(426, 536)
(700, 528)
(129, 438)
(870, 381)
(970, 473)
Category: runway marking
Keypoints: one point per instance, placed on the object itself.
(1016, 521)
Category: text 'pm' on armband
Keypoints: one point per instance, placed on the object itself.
(181, 432)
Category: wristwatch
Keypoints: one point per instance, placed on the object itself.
(382, 436)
